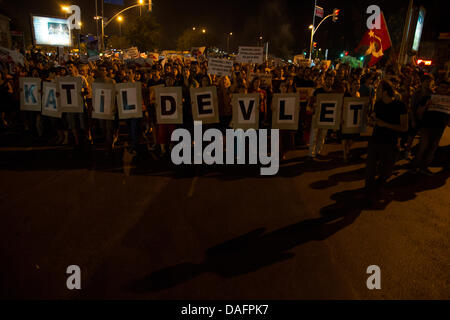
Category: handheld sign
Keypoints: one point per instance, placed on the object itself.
(30, 96)
(169, 107)
(266, 78)
(440, 103)
(328, 112)
(129, 100)
(70, 94)
(204, 104)
(245, 111)
(285, 109)
(250, 55)
(354, 115)
(220, 67)
(104, 101)
(50, 100)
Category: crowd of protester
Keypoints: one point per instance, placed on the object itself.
(399, 100)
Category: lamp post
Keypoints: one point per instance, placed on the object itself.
(106, 23)
(228, 41)
(120, 19)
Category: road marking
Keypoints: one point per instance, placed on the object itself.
(191, 189)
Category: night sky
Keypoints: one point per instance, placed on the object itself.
(284, 23)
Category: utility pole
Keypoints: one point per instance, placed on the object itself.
(406, 28)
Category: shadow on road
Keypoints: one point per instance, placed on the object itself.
(257, 249)
(246, 253)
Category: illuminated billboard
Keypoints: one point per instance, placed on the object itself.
(51, 31)
(419, 27)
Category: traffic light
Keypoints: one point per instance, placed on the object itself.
(346, 53)
(335, 14)
(315, 44)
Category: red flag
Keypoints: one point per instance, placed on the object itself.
(377, 41)
(319, 11)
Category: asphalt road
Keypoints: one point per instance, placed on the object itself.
(147, 230)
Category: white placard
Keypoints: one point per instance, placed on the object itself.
(250, 55)
(129, 100)
(169, 105)
(50, 100)
(245, 111)
(220, 67)
(103, 101)
(30, 95)
(285, 110)
(204, 104)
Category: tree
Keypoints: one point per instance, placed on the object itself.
(117, 42)
(144, 32)
(194, 38)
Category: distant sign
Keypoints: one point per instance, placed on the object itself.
(220, 67)
(250, 55)
(131, 53)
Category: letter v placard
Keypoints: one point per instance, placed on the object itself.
(245, 111)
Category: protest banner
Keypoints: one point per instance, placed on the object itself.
(50, 100)
(245, 111)
(299, 59)
(440, 103)
(103, 101)
(131, 53)
(266, 78)
(169, 105)
(305, 93)
(129, 100)
(328, 110)
(285, 110)
(250, 55)
(204, 104)
(30, 95)
(71, 99)
(197, 51)
(354, 111)
(220, 67)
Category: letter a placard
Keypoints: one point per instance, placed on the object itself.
(70, 94)
(129, 100)
(204, 105)
(328, 111)
(50, 100)
(245, 111)
(285, 110)
(30, 96)
(354, 115)
(169, 105)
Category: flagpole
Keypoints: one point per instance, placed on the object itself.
(402, 53)
(312, 30)
(96, 19)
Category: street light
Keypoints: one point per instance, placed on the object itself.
(120, 19)
(204, 31)
(193, 28)
(228, 41)
(310, 26)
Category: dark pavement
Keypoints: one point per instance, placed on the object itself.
(147, 230)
